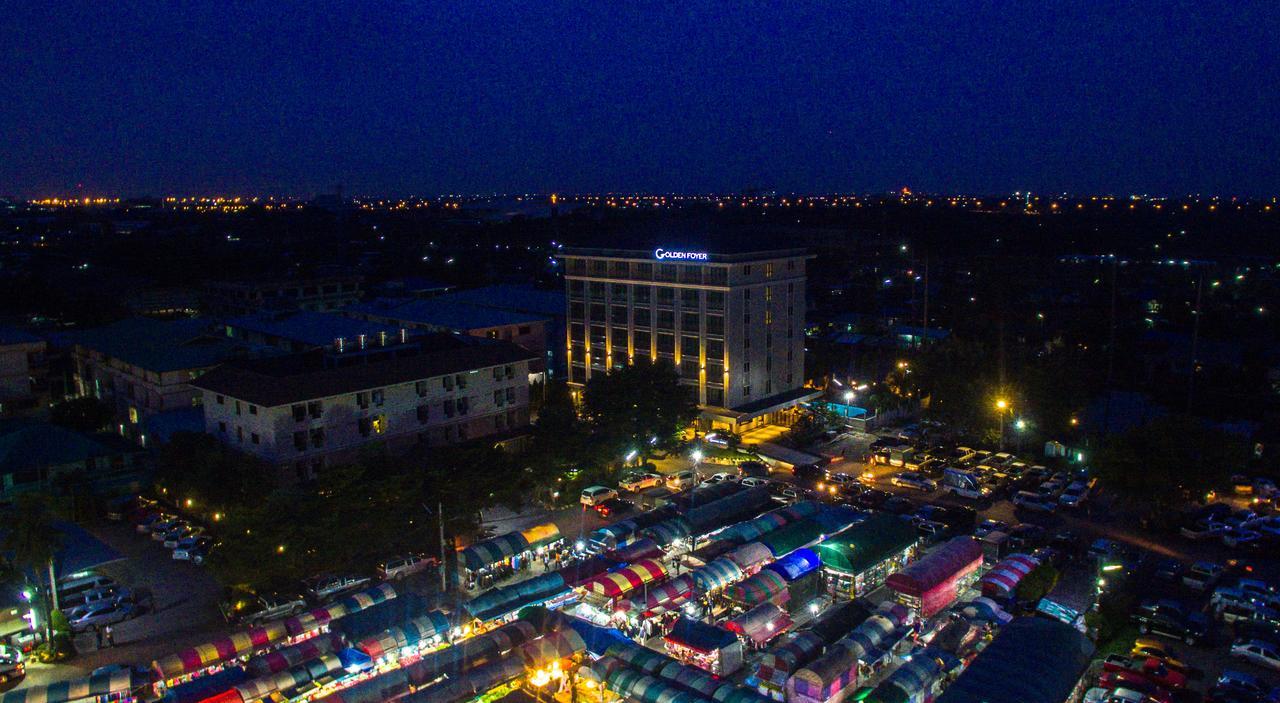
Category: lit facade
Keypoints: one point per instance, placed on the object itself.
(731, 324)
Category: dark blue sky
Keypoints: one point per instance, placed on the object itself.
(134, 97)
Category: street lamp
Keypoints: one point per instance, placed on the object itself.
(1001, 406)
(696, 456)
(848, 403)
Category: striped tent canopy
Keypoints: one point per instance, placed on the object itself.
(292, 677)
(764, 586)
(541, 535)
(626, 579)
(664, 534)
(752, 529)
(285, 657)
(494, 551)
(782, 659)
(668, 594)
(561, 644)
(117, 682)
(716, 575)
(470, 652)
(692, 678)
(1007, 574)
(318, 618)
(383, 687)
(193, 659)
(733, 694)
(750, 557)
(408, 634)
(760, 624)
(470, 683)
(639, 658)
(632, 684)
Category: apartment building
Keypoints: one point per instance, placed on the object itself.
(732, 324)
(307, 411)
(24, 387)
(246, 297)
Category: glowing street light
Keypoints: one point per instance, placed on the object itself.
(1020, 424)
(696, 456)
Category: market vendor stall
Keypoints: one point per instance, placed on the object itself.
(705, 646)
(669, 532)
(751, 530)
(660, 598)
(1005, 576)
(317, 669)
(540, 537)
(932, 583)
(716, 575)
(634, 685)
(558, 645)
(758, 626)
(640, 549)
(765, 586)
(916, 680)
(859, 559)
(1031, 660)
(782, 659)
(607, 588)
(285, 657)
(707, 553)
(796, 564)
(500, 603)
(802, 533)
(194, 661)
(493, 552)
(835, 674)
(470, 683)
(411, 636)
(750, 557)
(318, 619)
(116, 686)
(471, 652)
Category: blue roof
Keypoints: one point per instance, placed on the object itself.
(525, 299)
(158, 345)
(444, 313)
(1032, 660)
(313, 328)
(79, 550)
(30, 444)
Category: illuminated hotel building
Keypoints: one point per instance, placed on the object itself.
(731, 324)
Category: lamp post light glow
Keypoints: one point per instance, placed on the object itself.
(696, 456)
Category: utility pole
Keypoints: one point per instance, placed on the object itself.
(1195, 343)
(444, 565)
(1111, 352)
(924, 338)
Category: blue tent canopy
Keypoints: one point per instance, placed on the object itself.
(796, 564)
(698, 635)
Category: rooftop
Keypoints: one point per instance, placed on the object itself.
(301, 377)
(160, 345)
(442, 312)
(30, 444)
(313, 328)
(726, 253)
(524, 299)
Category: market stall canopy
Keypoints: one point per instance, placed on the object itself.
(203, 656)
(716, 575)
(1031, 660)
(578, 572)
(285, 657)
(764, 586)
(668, 532)
(640, 549)
(911, 681)
(470, 683)
(792, 537)
(214, 688)
(1005, 576)
(783, 658)
(710, 516)
(796, 564)
(708, 552)
(292, 677)
(955, 558)
(835, 518)
(408, 634)
(375, 620)
(837, 621)
(750, 556)
(626, 579)
(494, 551)
(637, 686)
(469, 652)
(500, 601)
(699, 636)
(598, 639)
(867, 543)
(541, 535)
(115, 683)
(561, 644)
(760, 624)
(668, 594)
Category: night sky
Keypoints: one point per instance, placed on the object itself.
(129, 98)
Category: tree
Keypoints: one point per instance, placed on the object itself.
(1172, 459)
(32, 541)
(1038, 582)
(198, 467)
(87, 414)
(630, 407)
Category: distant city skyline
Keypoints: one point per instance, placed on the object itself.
(294, 98)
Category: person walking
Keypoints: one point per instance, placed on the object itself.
(110, 636)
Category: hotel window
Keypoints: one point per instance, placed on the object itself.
(498, 422)
(523, 330)
(315, 409)
(447, 382)
(689, 322)
(689, 298)
(715, 300)
(768, 293)
(691, 274)
(715, 276)
(641, 317)
(746, 367)
(689, 346)
(577, 332)
(642, 342)
(666, 343)
(689, 368)
(595, 290)
(619, 315)
(362, 399)
(618, 292)
(768, 386)
(715, 397)
(509, 371)
(577, 289)
(768, 316)
(666, 319)
(768, 270)
(643, 271)
(791, 264)
(666, 296)
(715, 372)
(618, 269)
(220, 400)
(597, 335)
(317, 437)
(715, 350)
(462, 433)
(577, 310)
(497, 373)
(642, 295)
(666, 272)
(746, 391)
(598, 267)
(715, 325)
(511, 395)
(597, 312)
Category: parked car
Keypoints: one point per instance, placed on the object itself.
(752, 482)
(595, 495)
(614, 507)
(326, 586)
(1150, 647)
(1241, 538)
(176, 535)
(144, 523)
(1204, 529)
(755, 469)
(100, 615)
(988, 526)
(1258, 652)
(639, 481)
(12, 666)
(1075, 495)
(1171, 619)
(723, 477)
(682, 480)
(1236, 687)
(1034, 502)
(405, 565)
(1202, 575)
(162, 527)
(913, 479)
(194, 549)
(898, 505)
(246, 608)
(1150, 669)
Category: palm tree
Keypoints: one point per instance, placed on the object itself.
(31, 541)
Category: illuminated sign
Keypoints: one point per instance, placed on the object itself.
(682, 255)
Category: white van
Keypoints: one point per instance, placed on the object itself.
(595, 495)
(681, 481)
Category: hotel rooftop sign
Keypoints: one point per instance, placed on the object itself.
(661, 253)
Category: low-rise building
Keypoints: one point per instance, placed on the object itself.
(23, 373)
(245, 297)
(304, 330)
(527, 300)
(41, 457)
(143, 367)
(306, 411)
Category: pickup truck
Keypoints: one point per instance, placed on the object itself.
(1172, 620)
(1150, 669)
